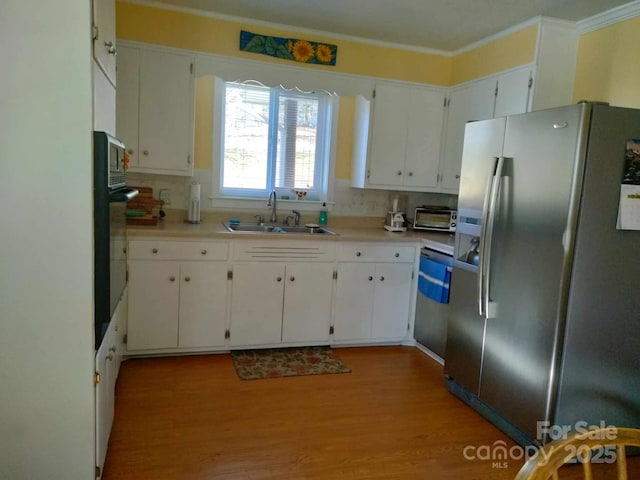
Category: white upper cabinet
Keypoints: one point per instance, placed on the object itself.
(513, 92)
(401, 145)
(469, 103)
(154, 110)
(104, 37)
(495, 96)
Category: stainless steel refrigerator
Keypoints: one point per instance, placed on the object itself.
(546, 328)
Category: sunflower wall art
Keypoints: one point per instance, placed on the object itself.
(303, 51)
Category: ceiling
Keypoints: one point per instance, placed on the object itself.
(437, 24)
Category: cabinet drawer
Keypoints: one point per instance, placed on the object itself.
(376, 253)
(163, 250)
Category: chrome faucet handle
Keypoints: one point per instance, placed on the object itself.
(287, 219)
(297, 218)
(260, 219)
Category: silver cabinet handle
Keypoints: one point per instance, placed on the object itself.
(411, 174)
(145, 152)
(203, 252)
(358, 254)
(112, 349)
(382, 279)
(130, 151)
(397, 254)
(370, 278)
(279, 279)
(458, 177)
(187, 279)
(399, 172)
(109, 357)
(154, 250)
(292, 278)
(172, 278)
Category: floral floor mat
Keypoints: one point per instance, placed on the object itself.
(286, 362)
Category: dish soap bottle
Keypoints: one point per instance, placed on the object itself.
(322, 217)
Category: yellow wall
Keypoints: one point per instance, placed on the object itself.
(344, 145)
(607, 68)
(513, 50)
(203, 148)
(192, 32)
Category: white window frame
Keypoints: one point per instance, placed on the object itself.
(240, 199)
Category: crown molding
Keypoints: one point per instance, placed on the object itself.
(290, 28)
(610, 17)
(497, 36)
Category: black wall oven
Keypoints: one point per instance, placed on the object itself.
(110, 197)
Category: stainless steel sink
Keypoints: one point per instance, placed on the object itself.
(276, 229)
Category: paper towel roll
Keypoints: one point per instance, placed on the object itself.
(194, 204)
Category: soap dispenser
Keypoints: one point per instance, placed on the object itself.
(322, 217)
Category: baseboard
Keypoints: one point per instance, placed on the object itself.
(489, 413)
(429, 353)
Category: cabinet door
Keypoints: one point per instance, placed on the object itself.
(353, 301)
(153, 305)
(388, 135)
(391, 300)
(119, 321)
(426, 112)
(104, 43)
(105, 394)
(127, 101)
(513, 93)
(203, 304)
(256, 303)
(306, 315)
(470, 103)
(166, 104)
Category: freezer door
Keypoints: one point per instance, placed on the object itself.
(465, 331)
(483, 144)
(527, 263)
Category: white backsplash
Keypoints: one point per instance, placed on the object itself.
(347, 201)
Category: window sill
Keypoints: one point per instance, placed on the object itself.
(261, 204)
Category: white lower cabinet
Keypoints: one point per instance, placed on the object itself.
(354, 301)
(173, 303)
(108, 359)
(373, 292)
(256, 304)
(306, 314)
(392, 291)
(194, 296)
(274, 303)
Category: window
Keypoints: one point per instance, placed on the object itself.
(274, 139)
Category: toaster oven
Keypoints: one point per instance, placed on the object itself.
(440, 219)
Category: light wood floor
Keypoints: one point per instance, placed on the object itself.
(391, 418)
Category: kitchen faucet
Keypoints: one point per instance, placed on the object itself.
(274, 216)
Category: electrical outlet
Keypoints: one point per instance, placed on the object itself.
(165, 196)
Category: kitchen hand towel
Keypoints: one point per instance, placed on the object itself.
(434, 279)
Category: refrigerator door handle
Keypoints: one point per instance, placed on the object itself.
(483, 237)
(490, 308)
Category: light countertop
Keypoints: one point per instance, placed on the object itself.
(436, 240)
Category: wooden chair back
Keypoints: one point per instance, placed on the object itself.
(581, 446)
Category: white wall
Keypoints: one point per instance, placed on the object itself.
(46, 253)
